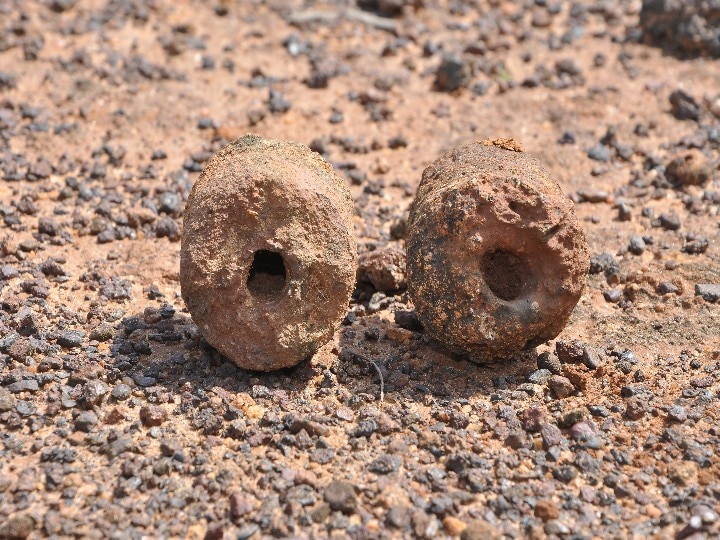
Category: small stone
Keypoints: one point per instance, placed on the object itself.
(167, 227)
(398, 517)
(708, 291)
(532, 419)
(61, 6)
(71, 339)
(665, 287)
(591, 358)
(145, 381)
(637, 245)
(612, 295)
(121, 392)
(383, 268)
(85, 421)
(277, 102)
(551, 435)
(408, 320)
(570, 351)
(49, 226)
(565, 473)
(25, 385)
(239, 505)
(103, 332)
(453, 525)
(452, 73)
(550, 362)
(684, 106)
(546, 509)
(539, 376)
(17, 526)
(692, 168)
(7, 400)
(153, 415)
(341, 496)
(669, 222)
(385, 464)
(556, 528)
(600, 152)
(25, 408)
(247, 531)
(677, 413)
(560, 386)
(635, 409)
(92, 393)
(480, 530)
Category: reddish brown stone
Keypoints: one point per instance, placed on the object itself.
(383, 268)
(496, 257)
(268, 256)
(691, 168)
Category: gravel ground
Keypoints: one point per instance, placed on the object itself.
(118, 420)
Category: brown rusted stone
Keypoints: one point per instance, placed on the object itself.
(268, 256)
(691, 168)
(496, 257)
(384, 269)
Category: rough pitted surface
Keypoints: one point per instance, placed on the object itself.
(496, 257)
(691, 26)
(123, 107)
(268, 259)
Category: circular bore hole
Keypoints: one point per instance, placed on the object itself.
(507, 274)
(267, 276)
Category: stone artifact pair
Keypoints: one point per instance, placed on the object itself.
(496, 257)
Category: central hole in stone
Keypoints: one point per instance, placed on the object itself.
(267, 275)
(507, 274)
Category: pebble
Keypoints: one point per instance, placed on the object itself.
(239, 505)
(556, 528)
(385, 464)
(452, 73)
(71, 339)
(669, 222)
(560, 386)
(677, 413)
(25, 385)
(453, 525)
(546, 509)
(121, 392)
(85, 421)
(551, 435)
(665, 287)
(637, 245)
(551, 362)
(17, 526)
(709, 292)
(539, 376)
(153, 415)
(691, 168)
(480, 530)
(246, 531)
(600, 152)
(684, 106)
(635, 409)
(7, 400)
(341, 496)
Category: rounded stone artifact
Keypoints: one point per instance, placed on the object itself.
(268, 257)
(496, 258)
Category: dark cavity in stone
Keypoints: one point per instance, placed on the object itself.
(268, 275)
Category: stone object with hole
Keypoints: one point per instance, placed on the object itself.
(496, 256)
(268, 257)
